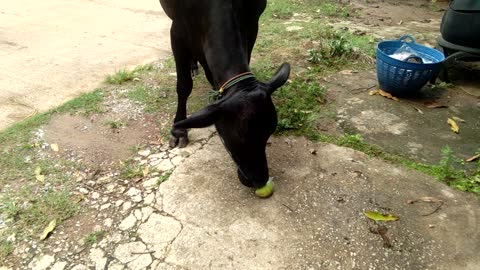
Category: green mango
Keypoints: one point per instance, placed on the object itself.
(265, 191)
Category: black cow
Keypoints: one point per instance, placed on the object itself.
(220, 35)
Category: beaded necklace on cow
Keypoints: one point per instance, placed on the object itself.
(234, 80)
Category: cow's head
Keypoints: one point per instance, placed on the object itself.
(244, 119)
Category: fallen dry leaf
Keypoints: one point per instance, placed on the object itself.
(145, 171)
(51, 226)
(434, 105)
(453, 125)
(473, 158)
(380, 217)
(383, 94)
(54, 147)
(38, 174)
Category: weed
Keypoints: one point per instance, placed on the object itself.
(94, 237)
(30, 210)
(124, 75)
(332, 9)
(280, 10)
(164, 177)
(6, 248)
(116, 124)
(131, 170)
(297, 103)
(87, 104)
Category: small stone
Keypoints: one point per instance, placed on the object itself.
(177, 160)
(95, 195)
(60, 265)
(79, 267)
(156, 162)
(138, 214)
(150, 183)
(105, 206)
(111, 187)
(137, 198)
(118, 203)
(41, 263)
(97, 256)
(157, 156)
(104, 179)
(144, 153)
(146, 212)
(132, 192)
(149, 199)
(141, 262)
(115, 266)
(165, 165)
(83, 190)
(126, 206)
(108, 222)
(127, 223)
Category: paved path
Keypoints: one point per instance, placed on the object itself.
(53, 50)
(203, 218)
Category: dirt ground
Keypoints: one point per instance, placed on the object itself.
(202, 218)
(54, 50)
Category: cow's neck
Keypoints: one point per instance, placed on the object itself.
(225, 52)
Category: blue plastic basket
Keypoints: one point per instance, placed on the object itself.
(404, 78)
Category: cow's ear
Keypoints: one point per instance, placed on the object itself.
(203, 118)
(280, 78)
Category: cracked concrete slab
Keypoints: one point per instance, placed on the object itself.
(54, 50)
(315, 218)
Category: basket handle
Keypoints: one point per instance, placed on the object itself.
(404, 37)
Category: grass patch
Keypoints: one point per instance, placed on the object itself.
(298, 104)
(94, 237)
(164, 177)
(31, 209)
(87, 104)
(131, 170)
(6, 248)
(125, 75)
(115, 124)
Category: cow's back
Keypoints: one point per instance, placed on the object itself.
(191, 9)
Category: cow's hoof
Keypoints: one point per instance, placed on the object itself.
(173, 142)
(182, 142)
(178, 142)
(265, 191)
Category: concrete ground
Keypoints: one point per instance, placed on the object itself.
(203, 218)
(54, 50)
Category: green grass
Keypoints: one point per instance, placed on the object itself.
(116, 124)
(94, 237)
(298, 103)
(6, 248)
(86, 104)
(30, 209)
(124, 75)
(131, 170)
(164, 177)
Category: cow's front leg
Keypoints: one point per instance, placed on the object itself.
(183, 62)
